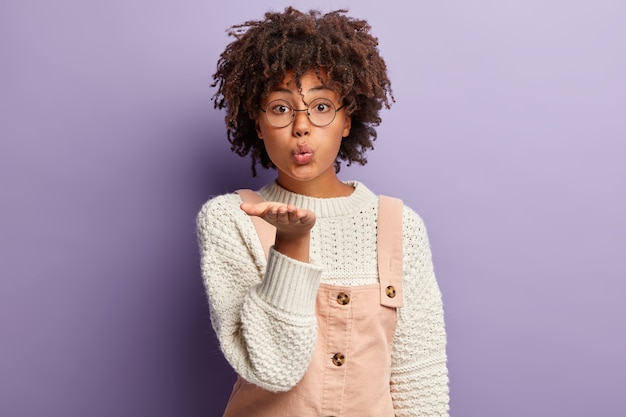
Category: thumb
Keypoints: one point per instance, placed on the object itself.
(255, 209)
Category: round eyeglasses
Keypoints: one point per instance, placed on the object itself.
(321, 112)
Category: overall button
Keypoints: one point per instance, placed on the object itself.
(390, 291)
(343, 298)
(339, 359)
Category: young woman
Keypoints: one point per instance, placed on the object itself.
(322, 294)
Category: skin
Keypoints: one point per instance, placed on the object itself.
(304, 156)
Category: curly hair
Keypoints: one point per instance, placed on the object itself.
(263, 51)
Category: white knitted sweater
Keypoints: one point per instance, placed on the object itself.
(263, 312)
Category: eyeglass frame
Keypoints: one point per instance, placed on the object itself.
(308, 115)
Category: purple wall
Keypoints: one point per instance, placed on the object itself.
(508, 136)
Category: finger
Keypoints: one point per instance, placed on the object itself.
(285, 214)
(259, 209)
(292, 215)
(248, 208)
(303, 216)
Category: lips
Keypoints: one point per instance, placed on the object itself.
(303, 155)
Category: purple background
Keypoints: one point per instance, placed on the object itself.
(508, 136)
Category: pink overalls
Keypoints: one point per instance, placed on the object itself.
(349, 372)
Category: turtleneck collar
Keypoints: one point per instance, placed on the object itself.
(322, 207)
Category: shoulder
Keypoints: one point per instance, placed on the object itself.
(219, 204)
(415, 237)
(413, 228)
(222, 227)
(220, 211)
(411, 220)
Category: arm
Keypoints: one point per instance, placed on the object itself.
(262, 313)
(419, 375)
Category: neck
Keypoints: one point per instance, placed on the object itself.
(329, 188)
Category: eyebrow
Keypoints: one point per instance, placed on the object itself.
(312, 89)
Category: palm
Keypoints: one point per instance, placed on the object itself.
(287, 219)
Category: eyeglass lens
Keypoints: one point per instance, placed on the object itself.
(321, 112)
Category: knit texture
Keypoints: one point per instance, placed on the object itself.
(263, 312)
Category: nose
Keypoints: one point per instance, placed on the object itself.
(301, 123)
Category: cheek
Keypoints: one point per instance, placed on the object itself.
(334, 147)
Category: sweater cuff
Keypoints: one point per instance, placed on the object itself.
(290, 285)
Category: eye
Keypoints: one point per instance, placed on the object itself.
(321, 106)
(281, 109)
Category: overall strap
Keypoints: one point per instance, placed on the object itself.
(266, 232)
(389, 248)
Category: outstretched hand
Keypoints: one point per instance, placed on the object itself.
(286, 218)
(293, 226)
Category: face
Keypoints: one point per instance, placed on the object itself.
(303, 153)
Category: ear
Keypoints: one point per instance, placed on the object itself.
(346, 126)
(257, 127)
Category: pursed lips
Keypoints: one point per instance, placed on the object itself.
(303, 154)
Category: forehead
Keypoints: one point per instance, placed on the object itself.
(308, 82)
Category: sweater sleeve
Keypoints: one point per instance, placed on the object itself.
(419, 376)
(262, 312)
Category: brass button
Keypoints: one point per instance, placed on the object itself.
(343, 298)
(390, 291)
(339, 359)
